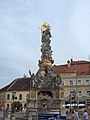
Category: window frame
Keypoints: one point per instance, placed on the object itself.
(87, 83)
(20, 96)
(8, 96)
(88, 93)
(80, 94)
(71, 82)
(79, 82)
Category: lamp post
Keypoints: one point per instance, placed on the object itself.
(70, 102)
(12, 110)
(72, 99)
(13, 98)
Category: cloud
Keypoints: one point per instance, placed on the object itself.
(20, 37)
(79, 24)
(79, 27)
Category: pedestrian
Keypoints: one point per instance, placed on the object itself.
(85, 115)
(76, 114)
(67, 115)
(73, 116)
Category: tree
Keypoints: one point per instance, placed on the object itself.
(17, 105)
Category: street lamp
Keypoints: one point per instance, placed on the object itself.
(12, 110)
(72, 99)
(13, 98)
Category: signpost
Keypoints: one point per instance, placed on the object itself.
(51, 117)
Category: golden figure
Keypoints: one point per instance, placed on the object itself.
(45, 26)
(46, 63)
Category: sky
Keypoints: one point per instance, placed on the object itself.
(20, 36)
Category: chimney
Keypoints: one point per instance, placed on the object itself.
(71, 60)
(68, 63)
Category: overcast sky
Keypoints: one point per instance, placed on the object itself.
(20, 37)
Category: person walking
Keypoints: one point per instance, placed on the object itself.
(76, 114)
(67, 115)
(73, 116)
(85, 115)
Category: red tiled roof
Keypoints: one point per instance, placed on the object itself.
(17, 85)
(78, 67)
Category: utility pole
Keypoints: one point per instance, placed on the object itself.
(76, 85)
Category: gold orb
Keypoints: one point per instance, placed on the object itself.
(45, 24)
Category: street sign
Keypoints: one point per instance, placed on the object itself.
(51, 117)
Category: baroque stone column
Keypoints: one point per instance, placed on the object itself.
(45, 82)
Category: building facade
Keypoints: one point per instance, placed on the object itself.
(16, 91)
(76, 80)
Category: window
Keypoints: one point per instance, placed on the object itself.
(71, 93)
(87, 82)
(7, 107)
(79, 93)
(71, 82)
(79, 82)
(20, 96)
(13, 95)
(88, 93)
(8, 96)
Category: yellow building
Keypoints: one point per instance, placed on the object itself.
(18, 90)
(76, 80)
